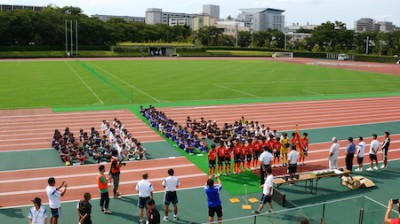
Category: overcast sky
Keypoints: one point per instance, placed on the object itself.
(301, 11)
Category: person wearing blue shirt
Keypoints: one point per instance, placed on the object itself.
(214, 202)
(350, 150)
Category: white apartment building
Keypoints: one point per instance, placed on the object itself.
(231, 27)
(259, 19)
(156, 16)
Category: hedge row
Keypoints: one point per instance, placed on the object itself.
(375, 58)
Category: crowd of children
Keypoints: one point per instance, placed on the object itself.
(97, 144)
(243, 141)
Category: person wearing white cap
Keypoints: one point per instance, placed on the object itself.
(333, 154)
(38, 213)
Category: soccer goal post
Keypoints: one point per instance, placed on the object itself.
(282, 55)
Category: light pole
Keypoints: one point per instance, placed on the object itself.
(237, 34)
(367, 45)
(290, 33)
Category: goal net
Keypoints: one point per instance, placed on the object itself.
(283, 55)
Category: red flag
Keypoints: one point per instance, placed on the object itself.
(297, 139)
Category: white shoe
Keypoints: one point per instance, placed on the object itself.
(165, 219)
(383, 166)
(175, 217)
(370, 169)
(375, 168)
(357, 170)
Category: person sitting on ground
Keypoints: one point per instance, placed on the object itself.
(140, 152)
(81, 157)
(65, 155)
(97, 154)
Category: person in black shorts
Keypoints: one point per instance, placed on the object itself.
(84, 209)
(385, 149)
(153, 216)
(227, 160)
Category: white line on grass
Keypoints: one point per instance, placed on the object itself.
(132, 86)
(377, 202)
(307, 91)
(91, 90)
(224, 87)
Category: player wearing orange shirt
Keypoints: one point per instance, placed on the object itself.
(257, 151)
(212, 156)
(304, 148)
(228, 157)
(243, 153)
(249, 154)
(277, 151)
(237, 150)
(221, 156)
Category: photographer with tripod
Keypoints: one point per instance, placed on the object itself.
(115, 171)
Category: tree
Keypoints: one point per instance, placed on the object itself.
(208, 36)
(244, 38)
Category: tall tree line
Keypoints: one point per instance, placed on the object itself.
(46, 28)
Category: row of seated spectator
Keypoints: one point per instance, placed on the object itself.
(90, 144)
(184, 138)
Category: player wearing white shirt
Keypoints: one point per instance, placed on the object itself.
(265, 159)
(333, 154)
(145, 190)
(54, 195)
(170, 184)
(293, 157)
(268, 189)
(360, 154)
(37, 214)
(373, 150)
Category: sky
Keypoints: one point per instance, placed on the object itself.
(296, 11)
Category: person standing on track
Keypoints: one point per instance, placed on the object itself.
(221, 156)
(284, 148)
(385, 149)
(145, 191)
(214, 202)
(266, 159)
(84, 209)
(54, 195)
(170, 184)
(212, 156)
(102, 183)
(333, 154)
(38, 213)
(350, 150)
(360, 154)
(115, 171)
(268, 189)
(304, 148)
(373, 150)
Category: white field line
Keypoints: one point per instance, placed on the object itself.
(96, 173)
(132, 86)
(312, 92)
(91, 90)
(88, 165)
(95, 185)
(234, 90)
(96, 198)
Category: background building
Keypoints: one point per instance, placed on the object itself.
(202, 21)
(231, 27)
(156, 16)
(259, 19)
(211, 10)
(126, 18)
(17, 7)
(384, 26)
(296, 26)
(364, 24)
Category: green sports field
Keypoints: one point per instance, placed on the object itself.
(96, 83)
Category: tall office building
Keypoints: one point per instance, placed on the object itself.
(259, 19)
(155, 16)
(211, 10)
(364, 24)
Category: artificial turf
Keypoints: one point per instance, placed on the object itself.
(31, 84)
